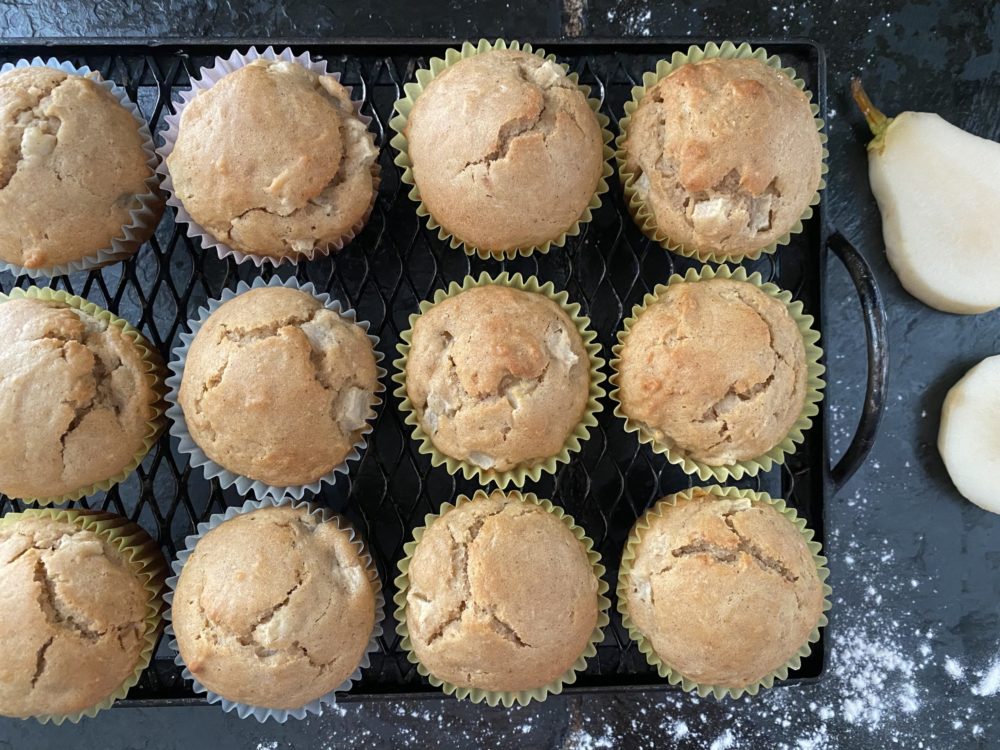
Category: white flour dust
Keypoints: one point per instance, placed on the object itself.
(634, 19)
(990, 682)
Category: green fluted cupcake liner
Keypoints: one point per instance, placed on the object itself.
(637, 207)
(814, 382)
(405, 105)
(154, 377)
(665, 670)
(518, 475)
(143, 557)
(505, 697)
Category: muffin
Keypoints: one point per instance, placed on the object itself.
(501, 597)
(506, 152)
(278, 388)
(77, 400)
(725, 155)
(722, 586)
(72, 165)
(498, 377)
(272, 160)
(274, 608)
(76, 623)
(714, 370)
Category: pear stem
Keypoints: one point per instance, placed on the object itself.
(877, 121)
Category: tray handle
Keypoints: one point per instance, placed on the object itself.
(876, 334)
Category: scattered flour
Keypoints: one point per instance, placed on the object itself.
(634, 18)
(724, 741)
(581, 739)
(955, 670)
(990, 682)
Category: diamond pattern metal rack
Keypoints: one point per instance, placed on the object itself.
(392, 265)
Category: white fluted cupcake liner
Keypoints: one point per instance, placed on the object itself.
(143, 218)
(179, 427)
(262, 714)
(208, 78)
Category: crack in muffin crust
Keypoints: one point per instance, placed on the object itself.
(72, 167)
(501, 595)
(293, 168)
(526, 161)
(292, 627)
(278, 388)
(498, 377)
(75, 388)
(714, 369)
(725, 154)
(708, 570)
(82, 616)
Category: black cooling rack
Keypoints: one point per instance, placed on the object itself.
(392, 265)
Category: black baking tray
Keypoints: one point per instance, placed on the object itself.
(392, 265)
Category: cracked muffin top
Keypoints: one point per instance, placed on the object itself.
(278, 388)
(726, 155)
(73, 622)
(274, 608)
(74, 399)
(502, 596)
(71, 166)
(272, 160)
(725, 589)
(715, 370)
(506, 151)
(498, 377)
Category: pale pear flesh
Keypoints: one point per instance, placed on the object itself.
(969, 436)
(938, 189)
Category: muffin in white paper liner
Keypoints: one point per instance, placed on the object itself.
(262, 714)
(209, 77)
(178, 424)
(143, 217)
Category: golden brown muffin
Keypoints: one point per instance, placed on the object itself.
(498, 377)
(272, 160)
(71, 167)
(726, 155)
(714, 369)
(502, 596)
(278, 388)
(74, 399)
(274, 608)
(73, 624)
(725, 589)
(506, 151)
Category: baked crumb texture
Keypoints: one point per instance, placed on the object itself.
(278, 388)
(725, 589)
(272, 160)
(502, 595)
(74, 398)
(498, 377)
(715, 370)
(506, 152)
(274, 608)
(725, 154)
(74, 618)
(72, 167)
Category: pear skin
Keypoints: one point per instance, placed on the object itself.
(938, 189)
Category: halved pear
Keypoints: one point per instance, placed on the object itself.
(969, 437)
(938, 188)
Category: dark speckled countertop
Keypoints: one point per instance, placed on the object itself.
(914, 637)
